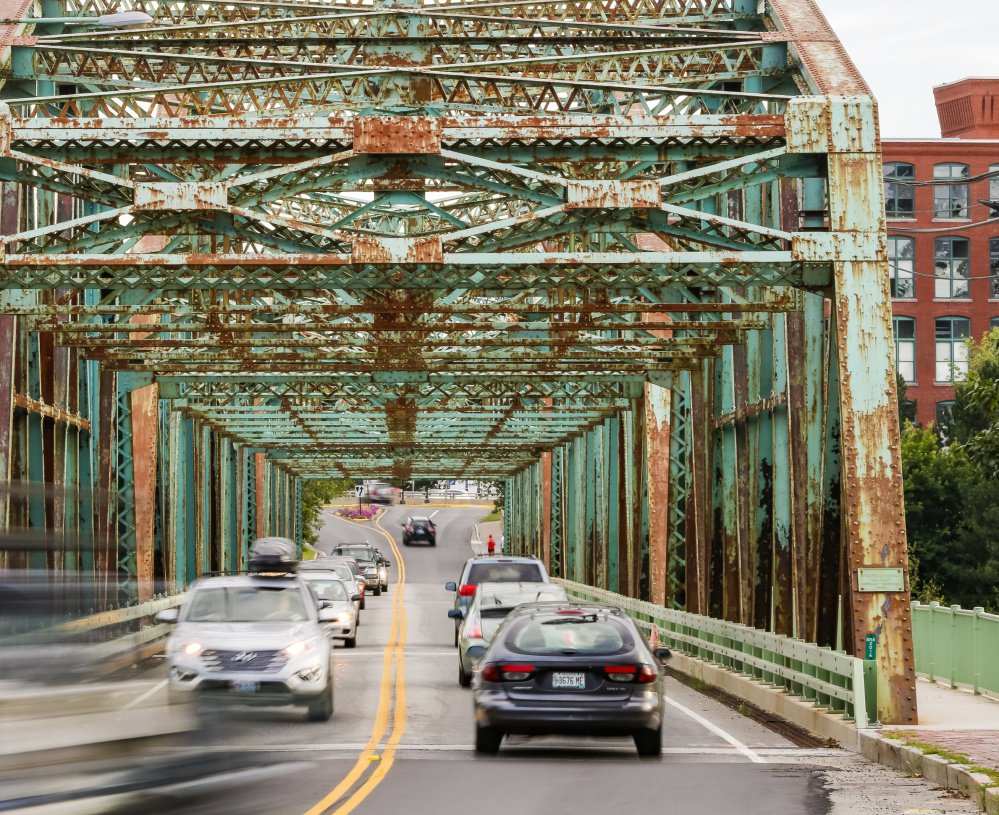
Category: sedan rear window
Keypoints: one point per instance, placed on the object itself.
(505, 573)
(584, 634)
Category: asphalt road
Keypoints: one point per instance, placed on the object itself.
(400, 739)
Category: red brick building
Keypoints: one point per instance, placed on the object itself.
(943, 241)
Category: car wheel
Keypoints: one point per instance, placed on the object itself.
(350, 643)
(378, 591)
(322, 709)
(385, 587)
(456, 636)
(487, 740)
(363, 601)
(464, 679)
(649, 743)
(433, 543)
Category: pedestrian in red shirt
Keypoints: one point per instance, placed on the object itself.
(491, 545)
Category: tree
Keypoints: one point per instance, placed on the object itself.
(907, 408)
(951, 477)
(316, 494)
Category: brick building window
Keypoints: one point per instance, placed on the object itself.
(900, 198)
(945, 411)
(994, 269)
(994, 323)
(904, 329)
(951, 351)
(950, 200)
(952, 268)
(901, 260)
(994, 184)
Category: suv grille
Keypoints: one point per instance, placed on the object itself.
(247, 660)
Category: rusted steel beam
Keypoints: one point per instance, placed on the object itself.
(145, 444)
(53, 412)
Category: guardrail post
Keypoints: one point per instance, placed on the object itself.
(952, 673)
(976, 649)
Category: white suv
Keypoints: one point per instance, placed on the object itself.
(251, 640)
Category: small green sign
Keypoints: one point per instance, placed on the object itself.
(870, 646)
(883, 581)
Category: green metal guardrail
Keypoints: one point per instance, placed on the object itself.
(131, 640)
(829, 679)
(957, 646)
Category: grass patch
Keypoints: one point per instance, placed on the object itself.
(492, 516)
(931, 749)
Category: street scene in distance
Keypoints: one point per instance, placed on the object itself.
(452, 405)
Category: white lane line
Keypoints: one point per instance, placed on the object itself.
(434, 513)
(773, 752)
(738, 745)
(146, 695)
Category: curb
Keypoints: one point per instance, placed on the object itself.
(940, 771)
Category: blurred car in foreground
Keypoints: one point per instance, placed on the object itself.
(569, 668)
(490, 606)
(332, 593)
(253, 639)
(492, 570)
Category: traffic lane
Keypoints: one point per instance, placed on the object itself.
(443, 562)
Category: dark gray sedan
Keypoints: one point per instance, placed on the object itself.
(569, 668)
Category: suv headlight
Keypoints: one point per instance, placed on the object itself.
(296, 649)
(189, 648)
(343, 617)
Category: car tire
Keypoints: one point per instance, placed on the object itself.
(464, 679)
(321, 710)
(364, 601)
(385, 587)
(649, 743)
(456, 636)
(433, 543)
(377, 591)
(487, 740)
(350, 643)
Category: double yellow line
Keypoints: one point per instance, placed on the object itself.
(390, 715)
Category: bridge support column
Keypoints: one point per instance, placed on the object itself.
(872, 504)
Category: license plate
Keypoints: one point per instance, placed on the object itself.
(244, 686)
(571, 681)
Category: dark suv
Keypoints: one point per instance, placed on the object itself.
(373, 566)
(419, 528)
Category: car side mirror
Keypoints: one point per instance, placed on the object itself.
(662, 654)
(355, 598)
(451, 586)
(455, 613)
(388, 565)
(327, 615)
(168, 615)
(325, 604)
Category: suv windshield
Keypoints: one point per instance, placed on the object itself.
(247, 604)
(582, 634)
(359, 553)
(505, 573)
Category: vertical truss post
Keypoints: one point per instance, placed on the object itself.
(783, 621)
(679, 497)
(546, 509)
(834, 585)
(698, 540)
(613, 475)
(760, 454)
(228, 529)
(249, 517)
(509, 510)
(556, 549)
(657, 453)
(727, 487)
(298, 513)
(575, 526)
(872, 502)
(260, 494)
(631, 499)
(143, 432)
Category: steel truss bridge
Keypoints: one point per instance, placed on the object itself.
(627, 255)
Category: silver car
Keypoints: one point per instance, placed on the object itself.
(489, 608)
(251, 640)
(343, 568)
(332, 593)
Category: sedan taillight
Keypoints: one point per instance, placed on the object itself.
(506, 673)
(642, 674)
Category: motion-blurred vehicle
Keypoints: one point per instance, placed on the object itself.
(490, 605)
(493, 570)
(346, 569)
(332, 593)
(567, 668)
(367, 558)
(419, 528)
(380, 493)
(253, 639)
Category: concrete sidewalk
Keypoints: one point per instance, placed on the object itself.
(481, 534)
(956, 721)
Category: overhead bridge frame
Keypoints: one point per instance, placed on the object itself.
(626, 256)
